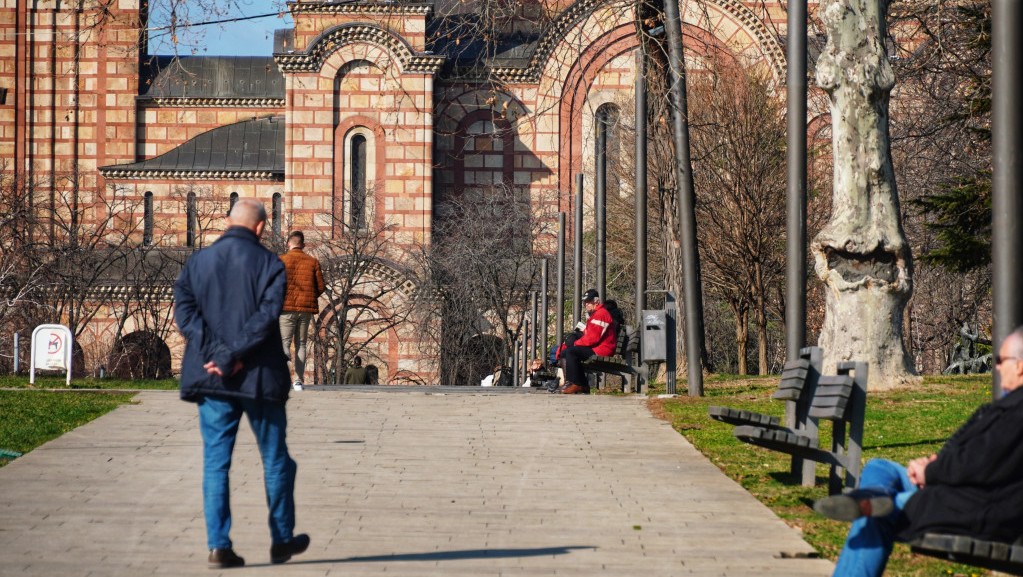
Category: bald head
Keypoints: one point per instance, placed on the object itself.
(248, 213)
(1010, 361)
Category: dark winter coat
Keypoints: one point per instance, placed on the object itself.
(975, 486)
(226, 304)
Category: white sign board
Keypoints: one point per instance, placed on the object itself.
(51, 350)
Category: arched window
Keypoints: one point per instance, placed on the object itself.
(275, 214)
(192, 220)
(483, 153)
(147, 220)
(354, 209)
(234, 199)
(357, 182)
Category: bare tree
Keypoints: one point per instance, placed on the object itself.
(484, 262)
(85, 249)
(20, 274)
(367, 298)
(739, 138)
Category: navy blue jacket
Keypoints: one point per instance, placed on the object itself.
(226, 304)
(975, 487)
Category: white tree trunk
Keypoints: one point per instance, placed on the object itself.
(862, 254)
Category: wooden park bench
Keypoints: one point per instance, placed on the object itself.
(621, 362)
(994, 555)
(798, 383)
(841, 399)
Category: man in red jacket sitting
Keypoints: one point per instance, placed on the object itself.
(598, 339)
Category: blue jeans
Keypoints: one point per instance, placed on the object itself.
(218, 422)
(871, 539)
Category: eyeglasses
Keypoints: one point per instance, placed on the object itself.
(999, 359)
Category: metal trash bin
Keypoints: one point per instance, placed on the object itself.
(655, 335)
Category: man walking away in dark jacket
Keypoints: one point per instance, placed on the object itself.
(305, 285)
(973, 486)
(227, 301)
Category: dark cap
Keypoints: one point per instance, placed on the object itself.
(590, 296)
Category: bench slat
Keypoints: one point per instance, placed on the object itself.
(995, 555)
(753, 435)
(835, 380)
(741, 417)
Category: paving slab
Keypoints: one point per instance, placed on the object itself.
(416, 482)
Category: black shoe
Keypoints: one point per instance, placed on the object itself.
(855, 504)
(283, 551)
(225, 559)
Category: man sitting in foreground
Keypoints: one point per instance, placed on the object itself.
(973, 486)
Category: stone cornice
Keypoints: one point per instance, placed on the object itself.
(188, 102)
(386, 8)
(126, 174)
(312, 59)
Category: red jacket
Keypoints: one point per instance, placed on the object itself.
(305, 282)
(600, 334)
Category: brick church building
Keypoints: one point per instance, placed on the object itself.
(364, 117)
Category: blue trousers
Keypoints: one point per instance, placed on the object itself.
(218, 422)
(870, 539)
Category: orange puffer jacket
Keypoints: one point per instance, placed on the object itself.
(305, 282)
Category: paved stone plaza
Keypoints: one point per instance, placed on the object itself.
(400, 482)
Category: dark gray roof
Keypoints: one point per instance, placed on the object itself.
(211, 77)
(255, 147)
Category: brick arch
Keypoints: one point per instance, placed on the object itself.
(453, 109)
(405, 289)
(388, 45)
(574, 19)
(578, 81)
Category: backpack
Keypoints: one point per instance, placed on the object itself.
(617, 316)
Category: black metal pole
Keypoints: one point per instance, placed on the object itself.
(671, 328)
(559, 313)
(600, 203)
(1006, 199)
(692, 291)
(515, 363)
(795, 270)
(641, 193)
(577, 294)
(531, 354)
(544, 345)
(523, 354)
(795, 223)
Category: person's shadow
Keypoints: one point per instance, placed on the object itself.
(446, 555)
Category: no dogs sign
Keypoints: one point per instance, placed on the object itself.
(51, 350)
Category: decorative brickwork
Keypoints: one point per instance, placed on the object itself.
(353, 72)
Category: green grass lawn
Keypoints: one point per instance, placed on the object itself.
(900, 425)
(31, 415)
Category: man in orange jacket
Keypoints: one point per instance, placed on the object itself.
(305, 285)
(598, 339)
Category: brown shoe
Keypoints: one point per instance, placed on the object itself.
(573, 389)
(281, 552)
(225, 559)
